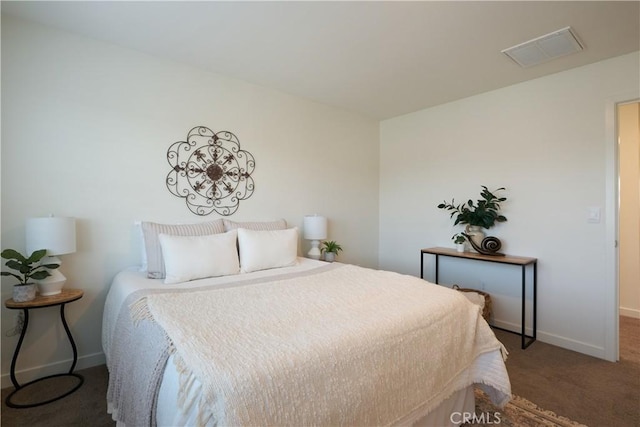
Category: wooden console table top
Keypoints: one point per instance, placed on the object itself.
(506, 259)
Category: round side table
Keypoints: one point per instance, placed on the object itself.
(61, 299)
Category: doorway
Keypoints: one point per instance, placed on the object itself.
(612, 220)
(628, 124)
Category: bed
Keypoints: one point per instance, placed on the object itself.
(269, 339)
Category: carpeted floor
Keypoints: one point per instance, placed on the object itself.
(86, 407)
(584, 389)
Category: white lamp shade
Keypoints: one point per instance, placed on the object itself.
(55, 234)
(315, 227)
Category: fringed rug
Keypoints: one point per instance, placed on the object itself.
(519, 412)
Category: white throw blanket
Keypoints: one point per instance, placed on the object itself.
(334, 348)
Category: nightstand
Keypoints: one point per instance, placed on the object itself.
(61, 299)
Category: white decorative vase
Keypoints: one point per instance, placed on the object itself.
(47, 289)
(476, 233)
(24, 293)
(329, 256)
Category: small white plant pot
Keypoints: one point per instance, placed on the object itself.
(24, 293)
(47, 289)
(329, 256)
(460, 247)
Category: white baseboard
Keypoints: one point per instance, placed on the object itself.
(630, 312)
(559, 341)
(513, 327)
(30, 374)
(574, 345)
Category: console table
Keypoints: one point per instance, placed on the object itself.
(523, 262)
(65, 297)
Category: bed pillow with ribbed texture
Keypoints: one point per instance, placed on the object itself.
(196, 257)
(280, 224)
(261, 250)
(151, 230)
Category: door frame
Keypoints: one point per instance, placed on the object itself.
(612, 212)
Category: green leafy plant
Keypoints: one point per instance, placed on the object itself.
(458, 238)
(331, 246)
(483, 213)
(27, 268)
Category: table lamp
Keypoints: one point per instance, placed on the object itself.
(58, 236)
(315, 229)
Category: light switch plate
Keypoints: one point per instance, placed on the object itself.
(593, 214)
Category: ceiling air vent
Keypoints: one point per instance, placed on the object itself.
(544, 48)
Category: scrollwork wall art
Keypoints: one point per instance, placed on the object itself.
(210, 171)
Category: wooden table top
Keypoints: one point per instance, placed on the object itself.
(67, 295)
(505, 259)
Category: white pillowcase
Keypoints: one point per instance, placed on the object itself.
(196, 257)
(151, 230)
(260, 250)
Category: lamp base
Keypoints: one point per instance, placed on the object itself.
(314, 252)
(53, 284)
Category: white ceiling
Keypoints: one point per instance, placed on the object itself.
(382, 59)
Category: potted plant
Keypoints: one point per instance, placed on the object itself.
(484, 213)
(27, 269)
(330, 248)
(459, 240)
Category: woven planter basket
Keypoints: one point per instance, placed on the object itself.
(486, 311)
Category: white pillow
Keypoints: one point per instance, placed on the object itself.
(151, 230)
(260, 250)
(196, 257)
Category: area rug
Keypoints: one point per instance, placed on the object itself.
(519, 412)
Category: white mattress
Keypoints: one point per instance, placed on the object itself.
(168, 413)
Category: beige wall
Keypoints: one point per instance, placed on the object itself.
(85, 130)
(545, 140)
(629, 223)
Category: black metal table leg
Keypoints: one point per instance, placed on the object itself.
(533, 337)
(535, 299)
(19, 387)
(524, 318)
(523, 262)
(422, 266)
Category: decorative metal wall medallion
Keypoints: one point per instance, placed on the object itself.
(210, 171)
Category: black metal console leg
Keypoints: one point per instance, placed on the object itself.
(524, 317)
(73, 344)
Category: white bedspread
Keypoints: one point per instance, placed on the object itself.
(332, 347)
(131, 280)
